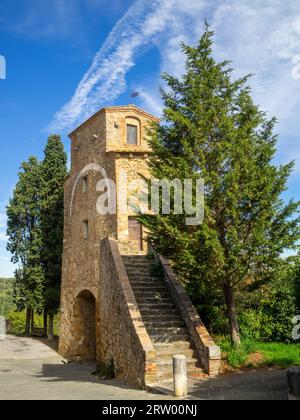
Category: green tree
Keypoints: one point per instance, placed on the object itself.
(267, 313)
(213, 130)
(24, 239)
(296, 277)
(53, 172)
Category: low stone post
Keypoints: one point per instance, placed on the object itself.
(180, 376)
(293, 375)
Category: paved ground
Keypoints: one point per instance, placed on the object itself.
(30, 370)
(269, 384)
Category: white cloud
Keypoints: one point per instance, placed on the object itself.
(143, 26)
(262, 38)
(259, 37)
(151, 101)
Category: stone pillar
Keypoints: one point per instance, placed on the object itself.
(293, 375)
(180, 376)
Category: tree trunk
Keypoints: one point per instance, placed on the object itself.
(28, 320)
(32, 322)
(232, 317)
(50, 331)
(45, 323)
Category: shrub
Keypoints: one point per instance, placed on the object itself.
(266, 314)
(236, 356)
(105, 371)
(17, 320)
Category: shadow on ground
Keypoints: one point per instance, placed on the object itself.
(77, 372)
(266, 384)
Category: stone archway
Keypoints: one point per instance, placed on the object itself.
(85, 326)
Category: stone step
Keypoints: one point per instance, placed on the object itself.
(149, 288)
(145, 276)
(192, 373)
(157, 306)
(130, 264)
(162, 319)
(149, 292)
(191, 362)
(138, 270)
(174, 348)
(152, 293)
(166, 331)
(158, 312)
(168, 338)
(153, 317)
(142, 280)
(130, 258)
(165, 371)
(151, 301)
(168, 355)
(162, 324)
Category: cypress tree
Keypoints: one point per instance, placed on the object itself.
(53, 172)
(23, 231)
(212, 130)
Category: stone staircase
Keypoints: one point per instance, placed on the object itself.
(162, 320)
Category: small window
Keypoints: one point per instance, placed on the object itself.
(132, 134)
(135, 232)
(86, 229)
(85, 184)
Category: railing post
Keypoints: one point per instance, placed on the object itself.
(180, 376)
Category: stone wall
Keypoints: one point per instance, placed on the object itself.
(100, 141)
(80, 269)
(123, 336)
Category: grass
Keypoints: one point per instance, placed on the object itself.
(258, 354)
(279, 354)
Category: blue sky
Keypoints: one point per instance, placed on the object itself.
(68, 58)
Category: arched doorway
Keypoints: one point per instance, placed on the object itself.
(85, 326)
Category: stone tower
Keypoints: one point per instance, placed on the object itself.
(112, 141)
(111, 306)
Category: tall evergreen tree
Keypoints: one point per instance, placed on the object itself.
(212, 130)
(53, 171)
(23, 212)
(296, 276)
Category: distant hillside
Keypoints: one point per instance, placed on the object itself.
(6, 296)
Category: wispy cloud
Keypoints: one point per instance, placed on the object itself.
(259, 37)
(143, 26)
(262, 38)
